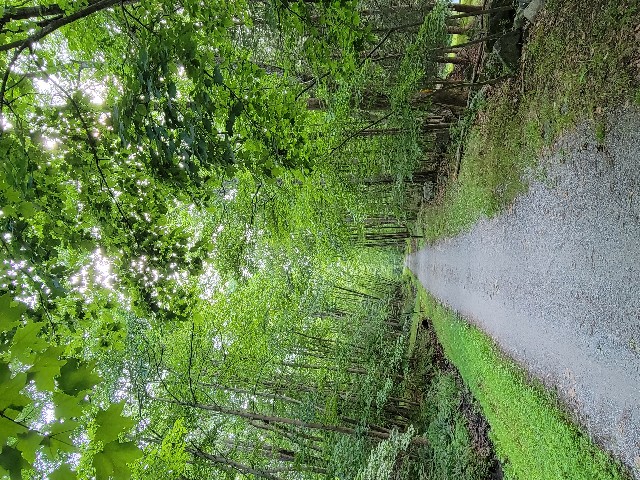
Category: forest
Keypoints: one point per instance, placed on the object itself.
(204, 210)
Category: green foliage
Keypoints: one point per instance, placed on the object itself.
(110, 423)
(77, 377)
(11, 312)
(182, 237)
(30, 359)
(47, 366)
(348, 456)
(451, 450)
(167, 460)
(12, 463)
(63, 472)
(383, 458)
(431, 35)
(112, 461)
(33, 361)
(67, 406)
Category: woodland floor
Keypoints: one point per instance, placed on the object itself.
(476, 423)
(555, 279)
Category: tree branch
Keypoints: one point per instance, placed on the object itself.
(25, 13)
(353, 135)
(91, 141)
(61, 22)
(21, 45)
(230, 463)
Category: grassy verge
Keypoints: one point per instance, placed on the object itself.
(577, 63)
(532, 436)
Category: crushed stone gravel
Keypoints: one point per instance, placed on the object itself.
(555, 280)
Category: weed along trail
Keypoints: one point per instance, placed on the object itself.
(555, 280)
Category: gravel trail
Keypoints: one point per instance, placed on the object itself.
(556, 280)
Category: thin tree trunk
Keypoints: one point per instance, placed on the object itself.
(355, 292)
(459, 47)
(456, 30)
(270, 451)
(310, 366)
(268, 395)
(461, 7)
(481, 11)
(292, 436)
(315, 104)
(287, 421)
(462, 83)
(452, 60)
(217, 459)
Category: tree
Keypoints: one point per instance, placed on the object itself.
(181, 234)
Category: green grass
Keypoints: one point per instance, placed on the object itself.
(533, 438)
(577, 63)
(413, 332)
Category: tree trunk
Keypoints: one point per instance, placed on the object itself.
(449, 97)
(292, 436)
(455, 30)
(452, 60)
(481, 11)
(219, 460)
(287, 421)
(460, 7)
(379, 131)
(315, 104)
(457, 48)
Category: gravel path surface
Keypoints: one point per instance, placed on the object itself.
(556, 280)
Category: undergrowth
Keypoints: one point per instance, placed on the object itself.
(419, 395)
